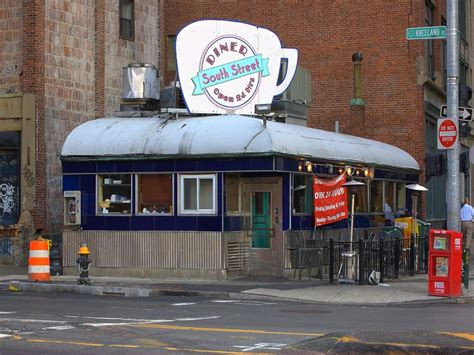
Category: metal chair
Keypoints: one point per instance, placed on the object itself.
(304, 253)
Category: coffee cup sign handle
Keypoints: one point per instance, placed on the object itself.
(291, 54)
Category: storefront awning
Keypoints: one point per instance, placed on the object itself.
(231, 135)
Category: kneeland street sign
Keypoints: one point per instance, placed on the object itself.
(229, 67)
(430, 32)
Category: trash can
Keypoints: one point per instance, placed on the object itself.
(350, 267)
(423, 228)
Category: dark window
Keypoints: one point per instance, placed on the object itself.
(171, 53)
(445, 58)
(463, 22)
(302, 194)
(127, 22)
(429, 45)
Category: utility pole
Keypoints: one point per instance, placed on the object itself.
(453, 193)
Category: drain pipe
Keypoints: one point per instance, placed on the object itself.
(357, 100)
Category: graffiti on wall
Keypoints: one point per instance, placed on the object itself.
(6, 247)
(9, 187)
(7, 200)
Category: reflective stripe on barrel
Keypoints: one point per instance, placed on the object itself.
(38, 262)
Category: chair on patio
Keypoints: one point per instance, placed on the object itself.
(304, 252)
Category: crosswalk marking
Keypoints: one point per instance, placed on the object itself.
(59, 327)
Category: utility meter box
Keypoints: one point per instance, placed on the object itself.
(444, 264)
(72, 208)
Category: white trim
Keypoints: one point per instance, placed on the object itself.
(198, 211)
(38, 269)
(39, 254)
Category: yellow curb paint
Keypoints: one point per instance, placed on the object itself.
(468, 336)
(63, 342)
(224, 330)
(150, 342)
(348, 339)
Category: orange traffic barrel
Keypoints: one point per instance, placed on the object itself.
(38, 262)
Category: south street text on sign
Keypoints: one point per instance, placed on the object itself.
(430, 32)
(465, 113)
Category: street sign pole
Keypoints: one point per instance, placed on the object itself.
(453, 193)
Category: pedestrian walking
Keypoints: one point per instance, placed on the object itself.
(466, 215)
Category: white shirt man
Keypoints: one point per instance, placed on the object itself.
(466, 215)
(388, 215)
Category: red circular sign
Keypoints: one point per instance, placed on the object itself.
(447, 133)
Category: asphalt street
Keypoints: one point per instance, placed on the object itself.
(68, 323)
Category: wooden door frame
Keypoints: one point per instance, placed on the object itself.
(275, 252)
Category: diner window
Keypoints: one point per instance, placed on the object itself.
(302, 194)
(400, 198)
(376, 196)
(154, 194)
(390, 194)
(360, 198)
(197, 194)
(232, 193)
(114, 194)
(127, 23)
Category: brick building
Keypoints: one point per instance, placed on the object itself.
(61, 65)
(403, 82)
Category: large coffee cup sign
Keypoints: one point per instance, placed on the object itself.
(229, 67)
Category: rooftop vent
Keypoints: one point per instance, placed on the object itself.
(140, 87)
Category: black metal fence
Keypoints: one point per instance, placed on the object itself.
(389, 256)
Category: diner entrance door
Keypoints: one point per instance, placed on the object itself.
(264, 229)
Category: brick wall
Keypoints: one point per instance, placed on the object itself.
(68, 53)
(32, 81)
(69, 86)
(119, 52)
(326, 35)
(11, 29)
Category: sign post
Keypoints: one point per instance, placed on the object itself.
(453, 182)
(445, 137)
(447, 133)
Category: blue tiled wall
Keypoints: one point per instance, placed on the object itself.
(82, 176)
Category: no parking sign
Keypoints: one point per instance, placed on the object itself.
(447, 133)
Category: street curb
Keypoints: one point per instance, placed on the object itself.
(18, 286)
(78, 289)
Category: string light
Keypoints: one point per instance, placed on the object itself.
(349, 170)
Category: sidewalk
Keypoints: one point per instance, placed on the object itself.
(411, 289)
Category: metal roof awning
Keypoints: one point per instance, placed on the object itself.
(227, 135)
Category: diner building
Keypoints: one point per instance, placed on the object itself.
(212, 196)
